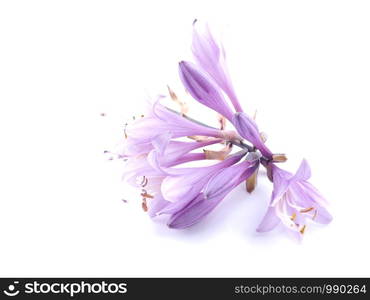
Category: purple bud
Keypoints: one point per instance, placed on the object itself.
(202, 89)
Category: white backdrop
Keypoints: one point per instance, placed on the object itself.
(305, 66)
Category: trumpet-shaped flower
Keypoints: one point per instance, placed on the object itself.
(160, 120)
(294, 201)
(221, 183)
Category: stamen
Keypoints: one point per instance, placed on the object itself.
(314, 215)
(144, 182)
(124, 130)
(306, 210)
(293, 217)
(303, 229)
(144, 205)
(183, 106)
(146, 195)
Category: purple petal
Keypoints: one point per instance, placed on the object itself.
(303, 172)
(211, 57)
(281, 183)
(269, 221)
(226, 180)
(192, 213)
(161, 141)
(323, 216)
(156, 204)
(202, 89)
(217, 188)
(162, 120)
(185, 183)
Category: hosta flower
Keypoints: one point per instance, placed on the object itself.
(183, 184)
(217, 188)
(160, 120)
(294, 201)
(154, 163)
(159, 146)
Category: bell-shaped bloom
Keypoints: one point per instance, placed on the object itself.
(248, 129)
(178, 186)
(210, 56)
(203, 89)
(183, 184)
(216, 190)
(160, 120)
(294, 201)
(139, 171)
(169, 153)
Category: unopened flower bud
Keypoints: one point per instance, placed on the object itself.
(279, 158)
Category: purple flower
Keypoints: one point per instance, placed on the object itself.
(139, 172)
(215, 191)
(201, 87)
(150, 170)
(155, 151)
(210, 56)
(294, 201)
(167, 153)
(183, 184)
(160, 120)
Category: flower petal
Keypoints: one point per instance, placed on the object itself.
(211, 58)
(218, 187)
(184, 184)
(192, 213)
(156, 204)
(303, 172)
(281, 183)
(269, 221)
(223, 182)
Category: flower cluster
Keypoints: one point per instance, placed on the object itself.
(162, 146)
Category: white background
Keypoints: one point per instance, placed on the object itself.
(305, 65)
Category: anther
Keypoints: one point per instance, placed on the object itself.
(144, 205)
(305, 210)
(146, 195)
(314, 215)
